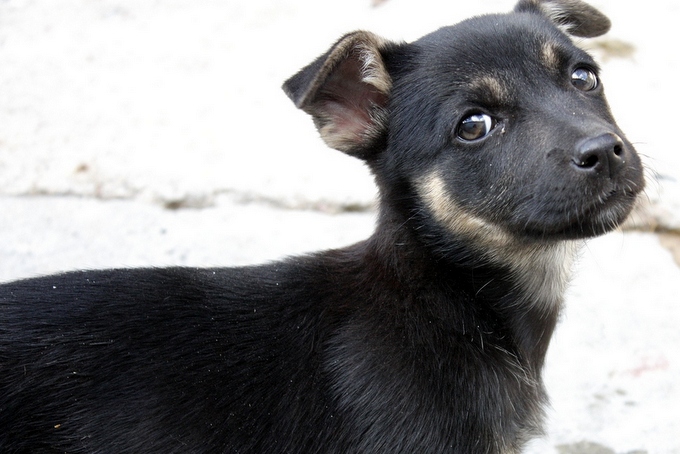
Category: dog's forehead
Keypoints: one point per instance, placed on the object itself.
(481, 48)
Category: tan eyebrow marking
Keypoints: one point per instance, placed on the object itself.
(492, 89)
(550, 56)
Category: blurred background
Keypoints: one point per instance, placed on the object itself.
(138, 133)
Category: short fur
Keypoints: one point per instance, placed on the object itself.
(495, 154)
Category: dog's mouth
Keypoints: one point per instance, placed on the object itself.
(579, 220)
(605, 215)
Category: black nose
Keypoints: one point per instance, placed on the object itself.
(603, 154)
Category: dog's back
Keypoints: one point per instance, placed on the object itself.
(162, 360)
(495, 153)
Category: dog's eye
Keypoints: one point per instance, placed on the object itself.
(584, 79)
(475, 127)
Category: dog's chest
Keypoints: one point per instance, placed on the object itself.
(431, 384)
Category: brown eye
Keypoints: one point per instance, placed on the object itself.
(584, 79)
(475, 127)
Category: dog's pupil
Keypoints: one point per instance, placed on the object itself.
(584, 79)
(474, 127)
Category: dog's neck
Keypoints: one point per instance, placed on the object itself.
(524, 283)
(540, 274)
(540, 271)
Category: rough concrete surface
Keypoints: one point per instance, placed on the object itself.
(138, 133)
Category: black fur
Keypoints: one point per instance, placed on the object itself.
(428, 337)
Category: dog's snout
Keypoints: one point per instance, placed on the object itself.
(604, 154)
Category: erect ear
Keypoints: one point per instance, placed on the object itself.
(575, 17)
(346, 92)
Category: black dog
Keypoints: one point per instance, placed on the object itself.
(495, 153)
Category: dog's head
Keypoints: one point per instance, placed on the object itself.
(495, 131)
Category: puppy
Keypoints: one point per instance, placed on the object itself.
(495, 154)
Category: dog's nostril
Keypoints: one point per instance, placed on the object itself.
(618, 150)
(587, 162)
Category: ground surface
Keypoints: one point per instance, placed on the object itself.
(155, 133)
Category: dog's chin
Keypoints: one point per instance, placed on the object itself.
(600, 218)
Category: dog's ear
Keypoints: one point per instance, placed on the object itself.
(575, 17)
(346, 92)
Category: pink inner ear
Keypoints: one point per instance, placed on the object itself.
(348, 102)
(348, 121)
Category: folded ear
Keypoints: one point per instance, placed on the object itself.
(575, 17)
(346, 92)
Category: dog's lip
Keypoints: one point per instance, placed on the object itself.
(604, 214)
